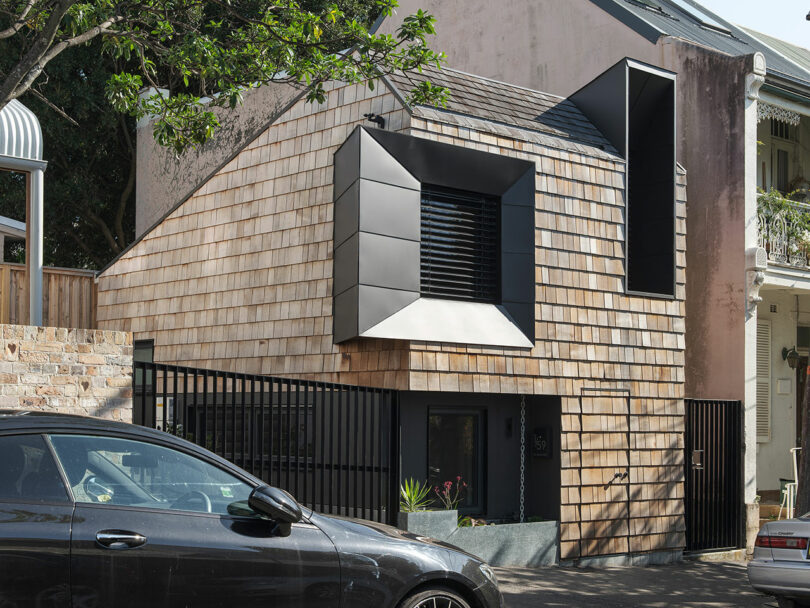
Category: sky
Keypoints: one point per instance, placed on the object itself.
(784, 19)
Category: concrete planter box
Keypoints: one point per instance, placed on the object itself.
(435, 524)
(526, 544)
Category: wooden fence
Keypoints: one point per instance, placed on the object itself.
(68, 297)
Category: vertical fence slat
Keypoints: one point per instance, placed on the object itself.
(334, 446)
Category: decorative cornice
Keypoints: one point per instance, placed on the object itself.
(756, 78)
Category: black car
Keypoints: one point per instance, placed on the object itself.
(96, 513)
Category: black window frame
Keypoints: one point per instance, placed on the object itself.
(479, 288)
(479, 506)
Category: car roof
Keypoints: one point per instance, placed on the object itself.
(33, 419)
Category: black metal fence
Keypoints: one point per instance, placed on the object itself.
(334, 447)
(714, 431)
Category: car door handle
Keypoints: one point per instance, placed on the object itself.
(119, 539)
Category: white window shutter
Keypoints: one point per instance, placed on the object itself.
(763, 381)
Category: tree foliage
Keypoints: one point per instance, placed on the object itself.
(193, 55)
(89, 183)
(193, 50)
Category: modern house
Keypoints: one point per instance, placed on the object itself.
(741, 107)
(516, 275)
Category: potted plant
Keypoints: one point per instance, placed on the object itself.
(414, 516)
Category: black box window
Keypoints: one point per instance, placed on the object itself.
(459, 248)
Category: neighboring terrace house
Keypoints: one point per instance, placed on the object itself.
(723, 110)
(783, 314)
(474, 258)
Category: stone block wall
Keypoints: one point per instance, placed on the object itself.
(71, 371)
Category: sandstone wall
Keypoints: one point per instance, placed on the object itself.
(71, 371)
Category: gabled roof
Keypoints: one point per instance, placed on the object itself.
(797, 54)
(505, 104)
(682, 19)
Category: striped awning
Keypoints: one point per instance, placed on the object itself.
(20, 133)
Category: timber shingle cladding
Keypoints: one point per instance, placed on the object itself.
(239, 278)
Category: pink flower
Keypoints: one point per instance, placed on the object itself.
(458, 478)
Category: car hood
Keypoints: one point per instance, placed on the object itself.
(380, 564)
(341, 529)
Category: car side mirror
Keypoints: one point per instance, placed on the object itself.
(276, 504)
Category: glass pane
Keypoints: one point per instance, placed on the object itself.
(28, 472)
(453, 454)
(134, 473)
(803, 337)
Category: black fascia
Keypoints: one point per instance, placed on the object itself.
(449, 166)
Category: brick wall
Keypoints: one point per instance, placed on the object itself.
(239, 278)
(72, 371)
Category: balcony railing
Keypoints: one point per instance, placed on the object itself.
(780, 237)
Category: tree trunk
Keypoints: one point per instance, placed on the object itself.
(803, 495)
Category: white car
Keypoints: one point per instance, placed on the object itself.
(780, 566)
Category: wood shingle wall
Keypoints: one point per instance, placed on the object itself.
(239, 278)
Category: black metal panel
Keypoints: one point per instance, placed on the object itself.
(334, 447)
(713, 476)
(450, 166)
(604, 102)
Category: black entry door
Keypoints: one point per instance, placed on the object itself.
(713, 474)
(198, 560)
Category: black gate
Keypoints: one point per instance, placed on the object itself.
(334, 447)
(714, 431)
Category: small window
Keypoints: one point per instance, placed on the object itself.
(143, 351)
(455, 455)
(28, 472)
(111, 471)
(459, 248)
(782, 170)
(782, 130)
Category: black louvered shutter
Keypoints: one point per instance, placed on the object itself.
(459, 250)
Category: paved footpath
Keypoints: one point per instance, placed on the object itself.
(688, 584)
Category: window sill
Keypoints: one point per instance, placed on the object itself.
(437, 320)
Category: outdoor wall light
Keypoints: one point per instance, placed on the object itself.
(791, 356)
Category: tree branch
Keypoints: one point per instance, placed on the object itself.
(53, 106)
(128, 188)
(20, 21)
(36, 69)
(10, 88)
(83, 246)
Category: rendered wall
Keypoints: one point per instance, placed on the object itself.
(70, 371)
(163, 180)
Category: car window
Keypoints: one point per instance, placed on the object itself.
(114, 471)
(28, 472)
